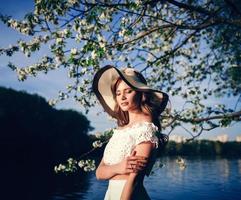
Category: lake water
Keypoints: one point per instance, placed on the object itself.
(203, 178)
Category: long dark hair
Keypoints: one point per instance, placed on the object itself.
(148, 103)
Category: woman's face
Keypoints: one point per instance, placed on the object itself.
(125, 97)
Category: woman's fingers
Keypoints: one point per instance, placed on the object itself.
(135, 164)
(136, 167)
(130, 166)
(136, 158)
(132, 162)
(137, 161)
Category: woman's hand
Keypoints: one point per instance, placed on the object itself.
(132, 164)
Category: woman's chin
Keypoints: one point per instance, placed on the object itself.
(125, 108)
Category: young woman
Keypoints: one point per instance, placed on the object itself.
(130, 152)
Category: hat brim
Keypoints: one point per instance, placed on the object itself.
(103, 80)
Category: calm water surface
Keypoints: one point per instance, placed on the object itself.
(216, 178)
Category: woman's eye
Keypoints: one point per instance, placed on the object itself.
(129, 91)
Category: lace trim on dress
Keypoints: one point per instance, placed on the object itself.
(146, 133)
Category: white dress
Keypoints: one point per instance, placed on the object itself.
(120, 145)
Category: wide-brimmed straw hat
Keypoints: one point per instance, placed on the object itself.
(106, 76)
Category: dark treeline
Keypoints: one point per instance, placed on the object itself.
(34, 137)
(203, 148)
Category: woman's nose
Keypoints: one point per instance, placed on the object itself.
(123, 96)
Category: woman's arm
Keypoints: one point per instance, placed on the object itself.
(143, 149)
(104, 171)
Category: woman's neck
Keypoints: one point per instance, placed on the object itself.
(138, 116)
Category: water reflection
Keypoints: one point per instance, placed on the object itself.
(224, 169)
(239, 166)
(215, 178)
(204, 178)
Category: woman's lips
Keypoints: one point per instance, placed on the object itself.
(124, 104)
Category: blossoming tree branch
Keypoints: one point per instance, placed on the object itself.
(190, 49)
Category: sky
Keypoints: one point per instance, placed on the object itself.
(48, 85)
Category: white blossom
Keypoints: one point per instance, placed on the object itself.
(122, 32)
(52, 102)
(124, 20)
(97, 144)
(83, 22)
(74, 51)
(58, 60)
(93, 55)
(56, 169)
(165, 47)
(65, 31)
(78, 37)
(102, 16)
(72, 2)
(81, 163)
(59, 40)
(179, 22)
(61, 167)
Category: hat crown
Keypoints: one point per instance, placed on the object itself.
(135, 75)
(129, 71)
